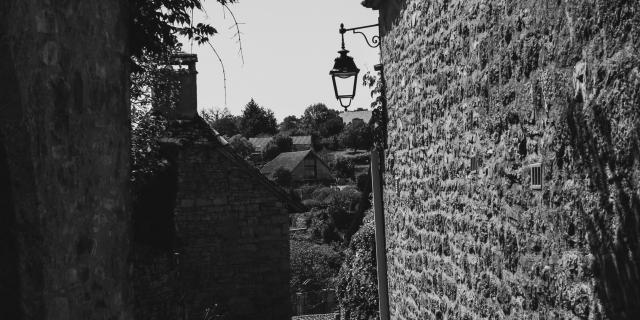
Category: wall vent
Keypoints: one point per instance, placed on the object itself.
(536, 176)
(476, 163)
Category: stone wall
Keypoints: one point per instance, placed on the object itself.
(512, 83)
(233, 236)
(228, 231)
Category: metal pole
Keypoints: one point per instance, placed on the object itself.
(381, 245)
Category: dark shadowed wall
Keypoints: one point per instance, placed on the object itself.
(64, 164)
(224, 242)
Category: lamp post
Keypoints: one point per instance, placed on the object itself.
(345, 79)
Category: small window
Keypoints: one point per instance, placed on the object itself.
(536, 176)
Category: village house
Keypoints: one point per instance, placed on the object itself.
(355, 117)
(301, 143)
(305, 166)
(211, 232)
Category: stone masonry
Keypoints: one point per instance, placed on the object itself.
(479, 94)
(213, 233)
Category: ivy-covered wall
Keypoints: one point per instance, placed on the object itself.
(513, 83)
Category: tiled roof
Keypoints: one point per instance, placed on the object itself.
(348, 116)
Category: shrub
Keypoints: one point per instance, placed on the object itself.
(332, 143)
(361, 158)
(306, 191)
(345, 198)
(363, 182)
(241, 146)
(313, 266)
(344, 168)
(356, 283)
(313, 203)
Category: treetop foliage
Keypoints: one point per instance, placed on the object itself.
(155, 25)
(222, 121)
(322, 120)
(256, 120)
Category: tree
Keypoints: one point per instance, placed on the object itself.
(222, 121)
(290, 124)
(241, 145)
(331, 127)
(318, 118)
(278, 144)
(256, 120)
(154, 25)
(357, 135)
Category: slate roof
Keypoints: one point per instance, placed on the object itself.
(287, 160)
(196, 131)
(348, 116)
(259, 143)
(301, 139)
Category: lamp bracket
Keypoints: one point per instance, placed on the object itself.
(375, 40)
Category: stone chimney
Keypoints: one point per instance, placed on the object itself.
(186, 108)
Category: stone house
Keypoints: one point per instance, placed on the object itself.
(301, 143)
(512, 138)
(305, 166)
(211, 232)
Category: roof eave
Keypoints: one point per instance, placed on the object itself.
(372, 4)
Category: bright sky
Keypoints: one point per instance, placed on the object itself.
(289, 47)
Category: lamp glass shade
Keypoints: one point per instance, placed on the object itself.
(345, 78)
(345, 85)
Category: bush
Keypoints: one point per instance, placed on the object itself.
(361, 159)
(357, 283)
(346, 198)
(313, 266)
(344, 168)
(241, 146)
(363, 182)
(306, 191)
(332, 143)
(323, 227)
(313, 203)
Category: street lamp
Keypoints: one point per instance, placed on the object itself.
(345, 72)
(345, 78)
